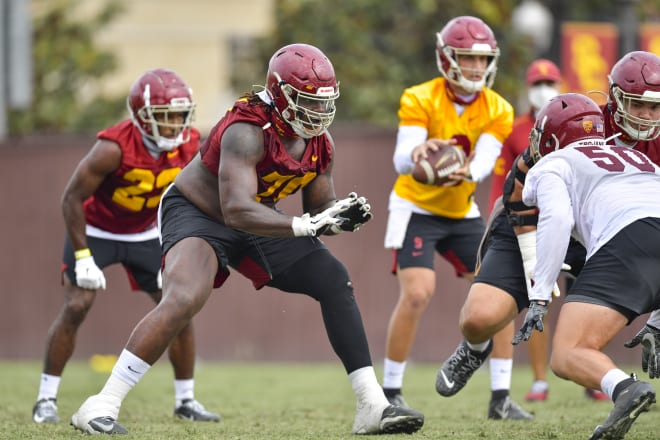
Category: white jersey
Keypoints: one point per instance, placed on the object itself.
(592, 192)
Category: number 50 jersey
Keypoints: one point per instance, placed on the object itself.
(127, 200)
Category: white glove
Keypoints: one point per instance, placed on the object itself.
(88, 274)
(307, 226)
(527, 244)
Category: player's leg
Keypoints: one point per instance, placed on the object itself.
(538, 348)
(143, 268)
(190, 268)
(609, 293)
(343, 323)
(494, 300)
(416, 287)
(415, 272)
(61, 339)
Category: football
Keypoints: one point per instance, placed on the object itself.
(438, 165)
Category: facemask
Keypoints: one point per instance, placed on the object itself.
(540, 94)
(168, 144)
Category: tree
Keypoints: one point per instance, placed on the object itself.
(380, 47)
(67, 65)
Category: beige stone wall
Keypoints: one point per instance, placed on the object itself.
(190, 37)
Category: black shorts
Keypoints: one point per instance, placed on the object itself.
(258, 258)
(141, 260)
(502, 267)
(456, 240)
(624, 274)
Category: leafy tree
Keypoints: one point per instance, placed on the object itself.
(67, 65)
(379, 47)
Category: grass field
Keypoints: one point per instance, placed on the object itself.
(300, 401)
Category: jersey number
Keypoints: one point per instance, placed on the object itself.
(612, 162)
(280, 186)
(132, 197)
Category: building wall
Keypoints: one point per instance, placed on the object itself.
(190, 37)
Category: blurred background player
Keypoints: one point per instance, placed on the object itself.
(109, 207)
(459, 109)
(222, 212)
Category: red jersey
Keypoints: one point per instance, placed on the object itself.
(127, 200)
(278, 174)
(512, 147)
(650, 148)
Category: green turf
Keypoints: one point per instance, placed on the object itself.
(299, 401)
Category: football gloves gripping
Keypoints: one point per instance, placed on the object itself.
(345, 215)
(649, 337)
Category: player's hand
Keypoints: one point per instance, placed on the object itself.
(533, 320)
(310, 226)
(357, 214)
(649, 337)
(88, 274)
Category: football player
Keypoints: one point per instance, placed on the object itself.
(501, 278)
(222, 212)
(458, 108)
(109, 207)
(606, 196)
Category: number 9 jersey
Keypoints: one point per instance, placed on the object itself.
(126, 202)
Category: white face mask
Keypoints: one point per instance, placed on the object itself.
(540, 94)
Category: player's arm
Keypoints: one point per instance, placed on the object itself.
(100, 161)
(242, 149)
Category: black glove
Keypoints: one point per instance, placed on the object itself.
(355, 216)
(650, 338)
(533, 320)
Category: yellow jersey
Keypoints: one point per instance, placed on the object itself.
(428, 105)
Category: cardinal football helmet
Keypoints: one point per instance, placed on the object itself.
(302, 84)
(160, 99)
(564, 120)
(466, 36)
(635, 79)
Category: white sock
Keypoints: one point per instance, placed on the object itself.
(611, 379)
(130, 368)
(393, 373)
(539, 386)
(366, 387)
(48, 386)
(500, 373)
(183, 389)
(480, 347)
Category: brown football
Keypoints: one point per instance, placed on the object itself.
(438, 165)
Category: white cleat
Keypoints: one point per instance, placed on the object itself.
(98, 415)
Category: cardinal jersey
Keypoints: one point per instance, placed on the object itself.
(127, 200)
(594, 190)
(512, 147)
(278, 174)
(429, 106)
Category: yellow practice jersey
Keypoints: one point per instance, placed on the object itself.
(428, 105)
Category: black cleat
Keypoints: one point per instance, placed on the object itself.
(457, 370)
